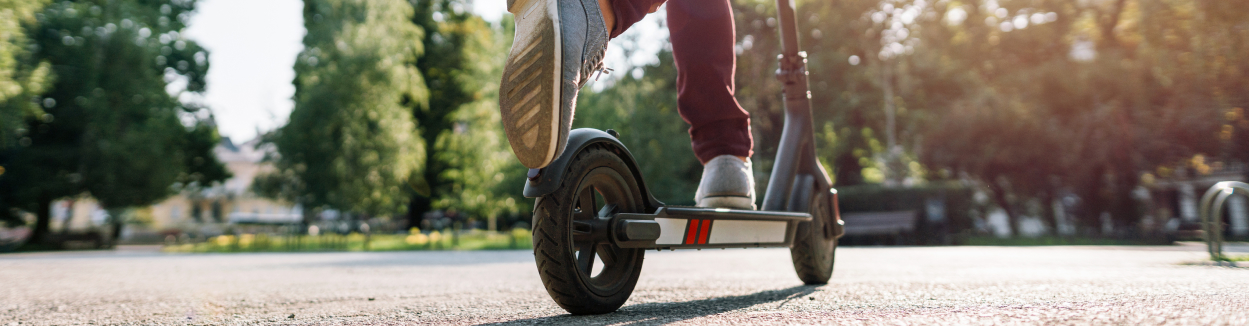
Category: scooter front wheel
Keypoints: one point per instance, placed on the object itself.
(580, 266)
(815, 243)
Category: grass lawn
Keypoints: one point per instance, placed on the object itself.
(466, 240)
(1227, 257)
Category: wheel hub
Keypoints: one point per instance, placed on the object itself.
(601, 263)
(596, 229)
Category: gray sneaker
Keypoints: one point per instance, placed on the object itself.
(558, 45)
(727, 182)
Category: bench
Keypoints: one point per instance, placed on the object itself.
(878, 223)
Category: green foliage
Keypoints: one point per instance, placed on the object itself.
(483, 178)
(1232, 258)
(439, 129)
(350, 143)
(1028, 115)
(468, 165)
(202, 167)
(109, 126)
(19, 79)
(113, 79)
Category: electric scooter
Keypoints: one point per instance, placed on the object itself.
(594, 218)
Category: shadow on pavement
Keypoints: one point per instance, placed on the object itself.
(663, 313)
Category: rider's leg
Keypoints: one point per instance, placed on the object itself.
(703, 37)
(702, 43)
(628, 12)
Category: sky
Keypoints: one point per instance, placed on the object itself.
(252, 47)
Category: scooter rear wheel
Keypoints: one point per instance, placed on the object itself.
(581, 268)
(815, 243)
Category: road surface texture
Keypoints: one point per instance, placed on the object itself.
(915, 285)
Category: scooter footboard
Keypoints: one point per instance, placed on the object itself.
(696, 228)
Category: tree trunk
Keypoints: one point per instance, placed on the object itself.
(42, 221)
(999, 196)
(1108, 24)
(69, 219)
(417, 208)
(1092, 203)
(115, 220)
(846, 166)
(309, 217)
(894, 169)
(1124, 211)
(1047, 209)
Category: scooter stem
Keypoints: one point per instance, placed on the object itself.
(789, 27)
(796, 153)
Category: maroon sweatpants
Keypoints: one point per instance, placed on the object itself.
(703, 37)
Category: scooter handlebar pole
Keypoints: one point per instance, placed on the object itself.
(796, 147)
(789, 27)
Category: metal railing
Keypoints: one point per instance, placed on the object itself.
(1212, 204)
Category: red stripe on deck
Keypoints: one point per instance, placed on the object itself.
(702, 236)
(692, 235)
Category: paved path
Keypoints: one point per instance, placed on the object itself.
(918, 285)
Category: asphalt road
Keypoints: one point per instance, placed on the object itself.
(918, 285)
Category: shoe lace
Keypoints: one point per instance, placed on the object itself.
(595, 64)
(603, 71)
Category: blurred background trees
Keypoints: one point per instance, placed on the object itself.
(1088, 97)
(110, 122)
(21, 77)
(417, 133)
(1029, 101)
(1065, 111)
(350, 144)
(466, 159)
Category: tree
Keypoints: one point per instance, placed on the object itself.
(480, 175)
(350, 144)
(110, 127)
(1089, 97)
(20, 79)
(460, 65)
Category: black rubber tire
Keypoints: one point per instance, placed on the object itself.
(554, 243)
(815, 246)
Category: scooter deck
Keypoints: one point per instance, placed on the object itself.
(673, 227)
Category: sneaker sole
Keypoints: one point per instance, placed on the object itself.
(529, 94)
(737, 202)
